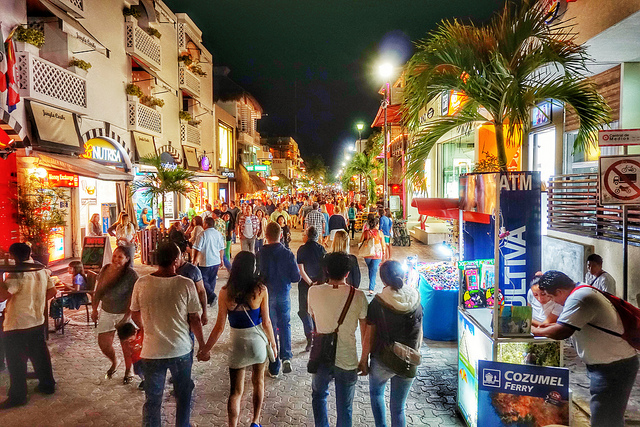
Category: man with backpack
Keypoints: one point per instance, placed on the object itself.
(596, 322)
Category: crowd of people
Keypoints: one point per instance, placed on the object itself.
(159, 317)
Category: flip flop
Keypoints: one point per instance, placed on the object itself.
(128, 379)
(112, 371)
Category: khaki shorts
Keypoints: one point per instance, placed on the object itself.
(107, 321)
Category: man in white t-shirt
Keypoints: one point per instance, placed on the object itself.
(544, 308)
(595, 326)
(24, 326)
(597, 277)
(208, 252)
(166, 306)
(326, 303)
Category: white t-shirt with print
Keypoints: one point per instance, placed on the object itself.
(541, 312)
(587, 305)
(164, 303)
(25, 308)
(325, 305)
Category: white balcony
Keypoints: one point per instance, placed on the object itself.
(144, 119)
(189, 134)
(74, 7)
(189, 82)
(40, 80)
(142, 46)
(246, 138)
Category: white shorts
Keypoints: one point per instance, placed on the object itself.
(107, 321)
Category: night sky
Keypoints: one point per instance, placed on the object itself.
(317, 60)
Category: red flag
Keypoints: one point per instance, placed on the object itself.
(12, 97)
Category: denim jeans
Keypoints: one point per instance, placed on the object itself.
(259, 245)
(209, 277)
(155, 371)
(345, 390)
(352, 228)
(610, 388)
(372, 265)
(280, 313)
(379, 375)
(303, 308)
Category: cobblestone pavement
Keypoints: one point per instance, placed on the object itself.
(85, 398)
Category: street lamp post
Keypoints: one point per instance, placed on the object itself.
(359, 126)
(386, 71)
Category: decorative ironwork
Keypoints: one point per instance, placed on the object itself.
(143, 46)
(40, 80)
(189, 134)
(144, 119)
(76, 7)
(189, 81)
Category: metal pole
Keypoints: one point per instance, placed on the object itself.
(625, 252)
(385, 195)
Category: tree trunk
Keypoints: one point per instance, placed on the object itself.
(500, 146)
(163, 210)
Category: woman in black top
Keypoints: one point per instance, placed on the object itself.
(285, 238)
(394, 315)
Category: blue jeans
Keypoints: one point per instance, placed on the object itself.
(209, 277)
(610, 388)
(372, 265)
(259, 245)
(379, 375)
(155, 371)
(345, 390)
(303, 308)
(280, 313)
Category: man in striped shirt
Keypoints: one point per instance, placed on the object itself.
(315, 218)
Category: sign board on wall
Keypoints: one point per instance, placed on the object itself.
(93, 251)
(61, 179)
(541, 114)
(54, 127)
(620, 180)
(616, 137)
(88, 191)
(511, 394)
(102, 151)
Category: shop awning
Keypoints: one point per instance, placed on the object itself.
(447, 209)
(394, 116)
(258, 182)
(72, 27)
(82, 167)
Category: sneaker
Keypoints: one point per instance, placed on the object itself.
(44, 390)
(9, 403)
(214, 301)
(255, 425)
(286, 366)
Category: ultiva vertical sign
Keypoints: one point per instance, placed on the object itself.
(520, 239)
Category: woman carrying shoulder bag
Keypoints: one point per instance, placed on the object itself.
(393, 339)
(372, 248)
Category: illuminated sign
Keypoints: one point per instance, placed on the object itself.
(258, 168)
(205, 163)
(229, 174)
(456, 100)
(61, 179)
(541, 114)
(102, 151)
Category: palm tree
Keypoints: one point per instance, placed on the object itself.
(367, 165)
(503, 70)
(315, 168)
(164, 180)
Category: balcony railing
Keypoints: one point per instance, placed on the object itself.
(190, 134)
(144, 119)
(574, 208)
(74, 7)
(142, 46)
(189, 82)
(40, 80)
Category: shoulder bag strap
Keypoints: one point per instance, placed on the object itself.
(352, 292)
(608, 331)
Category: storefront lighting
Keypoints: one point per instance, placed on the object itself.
(38, 172)
(274, 178)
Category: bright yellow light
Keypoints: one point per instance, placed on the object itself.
(274, 178)
(360, 126)
(38, 172)
(385, 70)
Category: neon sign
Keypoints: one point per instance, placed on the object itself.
(61, 179)
(101, 151)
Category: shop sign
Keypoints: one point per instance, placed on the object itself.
(168, 162)
(509, 393)
(541, 114)
(609, 138)
(229, 174)
(56, 247)
(88, 191)
(54, 126)
(93, 250)
(619, 180)
(102, 151)
(258, 168)
(61, 179)
(205, 163)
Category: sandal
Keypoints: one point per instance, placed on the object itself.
(128, 379)
(111, 371)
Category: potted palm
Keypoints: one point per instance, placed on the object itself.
(40, 209)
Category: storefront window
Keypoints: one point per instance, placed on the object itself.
(457, 157)
(225, 145)
(585, 161)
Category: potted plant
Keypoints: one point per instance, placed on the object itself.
(185, 58)
(153, 32)
(133, 92)
(152, 101)
(40, 209)
(184, 116)
(29, 40)
(79, 66)
(197, 70)
(131, 14)
(194, 123)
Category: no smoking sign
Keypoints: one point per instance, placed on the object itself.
(620, 180)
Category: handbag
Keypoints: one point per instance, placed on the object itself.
(372, 247)
(270, 354)
(400, 358)
(323, 347)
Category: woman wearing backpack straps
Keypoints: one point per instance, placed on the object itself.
(394, 321)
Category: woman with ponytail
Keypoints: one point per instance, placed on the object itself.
(394, 318)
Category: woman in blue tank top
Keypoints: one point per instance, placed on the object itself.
(245, 301)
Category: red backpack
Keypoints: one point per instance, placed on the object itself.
(629, 314)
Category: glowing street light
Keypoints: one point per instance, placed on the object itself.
(386, 70)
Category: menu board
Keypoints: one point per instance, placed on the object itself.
(93, 252)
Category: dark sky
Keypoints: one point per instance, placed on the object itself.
(317, 60)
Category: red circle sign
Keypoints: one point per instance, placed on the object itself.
(621, 180)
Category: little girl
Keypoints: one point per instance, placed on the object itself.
(72, 301)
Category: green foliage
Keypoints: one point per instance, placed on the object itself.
(130, 11)
(151, 101)
(29, 35)
(165, 180)
(184, 115)
(197, 70)
(134, 90)
(505, 69)
(83, 65)
(153, 32)
(488, 164)
(367, 165)
(315, 168)
(39, 211)
(185, 58)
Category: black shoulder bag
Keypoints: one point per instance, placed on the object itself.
(400, 358)
(323, 348)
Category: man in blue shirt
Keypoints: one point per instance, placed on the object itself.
(385, 226)
(208, 251)
(278, 269)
